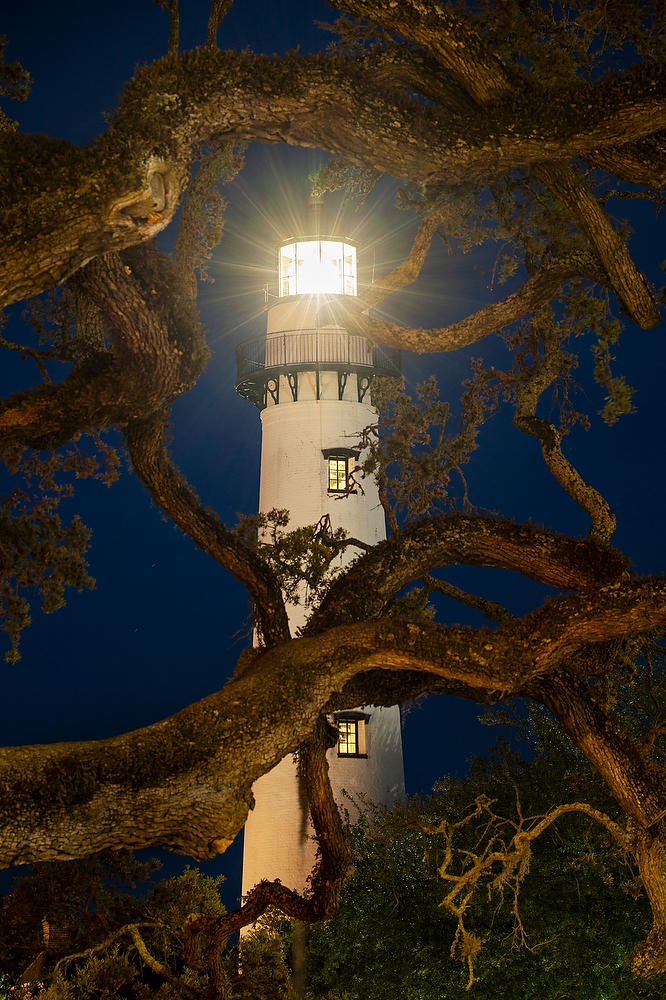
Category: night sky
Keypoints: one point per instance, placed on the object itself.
(165, 625)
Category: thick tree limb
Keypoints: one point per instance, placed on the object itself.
(536, 291)
(172, 9)
(184, 783)
(640, 162)
(94, 396)
(630, 286)
(649, 958)
(137, 206)
(445, 37)
(218, 11)
(142, 340)
(371, 583)
(330, 102)
(148, 366)
(321, 899)
(634, 779)
(422, 75)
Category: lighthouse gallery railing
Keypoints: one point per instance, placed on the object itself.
(300, 350)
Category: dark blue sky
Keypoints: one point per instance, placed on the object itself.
(162, 627)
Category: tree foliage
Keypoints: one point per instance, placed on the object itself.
(516, 126)
(108, 927)
(559, 923)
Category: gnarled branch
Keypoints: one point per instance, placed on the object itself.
(367, 587)
(630, 286)
(321, 900)
(184, 783)
(533, 293)
(526, 420)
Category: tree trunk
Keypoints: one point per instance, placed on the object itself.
(649, 958)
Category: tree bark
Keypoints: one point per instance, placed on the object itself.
(184, 783)
(632, 288)
(537, 291)
(449, 539)
(649, 958)
(635, 781)
(77, 204)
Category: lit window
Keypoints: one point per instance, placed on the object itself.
(347, 738)
(338, 473)
(351, 733)
(340, 463)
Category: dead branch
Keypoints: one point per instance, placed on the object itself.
(499, 862)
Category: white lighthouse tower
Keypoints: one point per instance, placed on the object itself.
(311, 380)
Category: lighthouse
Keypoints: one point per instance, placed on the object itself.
(311, 380)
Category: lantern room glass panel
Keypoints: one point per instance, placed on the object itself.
(317, 267)
(349, 269)
(288, 269)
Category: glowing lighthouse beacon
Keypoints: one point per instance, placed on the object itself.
(312, 382)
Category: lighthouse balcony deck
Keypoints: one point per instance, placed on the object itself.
(263, 359)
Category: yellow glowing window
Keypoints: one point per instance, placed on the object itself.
(338, 473)
(317, 267)
(347, 738)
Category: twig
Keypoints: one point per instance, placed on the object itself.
(490, 609)
(28, 352)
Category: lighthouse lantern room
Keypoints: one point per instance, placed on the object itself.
(317, 267)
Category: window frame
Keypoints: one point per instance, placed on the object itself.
(339, 455)
(359, 721)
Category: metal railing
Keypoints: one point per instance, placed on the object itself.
(328, 349)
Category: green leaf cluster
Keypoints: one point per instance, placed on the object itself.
(303, 559)
(41, 554)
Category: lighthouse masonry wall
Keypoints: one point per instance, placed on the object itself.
(294, 476)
